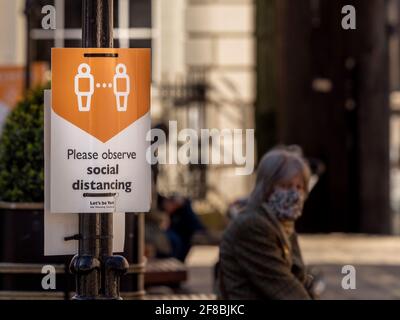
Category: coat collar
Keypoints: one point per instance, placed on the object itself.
(281, 230)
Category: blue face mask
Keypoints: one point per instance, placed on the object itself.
(286, 204)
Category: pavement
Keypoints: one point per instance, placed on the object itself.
(376, 260)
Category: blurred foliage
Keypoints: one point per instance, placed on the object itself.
(21, 151)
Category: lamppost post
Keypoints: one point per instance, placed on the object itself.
(97, 270)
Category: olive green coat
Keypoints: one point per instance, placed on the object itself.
(259, 259)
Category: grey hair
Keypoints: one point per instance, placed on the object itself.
(277, 165)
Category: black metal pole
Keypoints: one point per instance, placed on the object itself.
(97, 270)
(28, 11)
(97, 24)
(97, 32)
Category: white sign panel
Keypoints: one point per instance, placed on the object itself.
(61, 225)
(100, 116)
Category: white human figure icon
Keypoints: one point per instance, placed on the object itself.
(84, 73)
(120, 73)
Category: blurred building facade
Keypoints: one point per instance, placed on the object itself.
(198, 45)
(284, 67)
(192, 47)
(326, 88)
(12, 36)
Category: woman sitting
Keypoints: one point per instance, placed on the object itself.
(260, 256)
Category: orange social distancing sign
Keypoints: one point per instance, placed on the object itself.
(101, 91)
(100, 117)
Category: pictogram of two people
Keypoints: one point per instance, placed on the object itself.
(121, 86)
